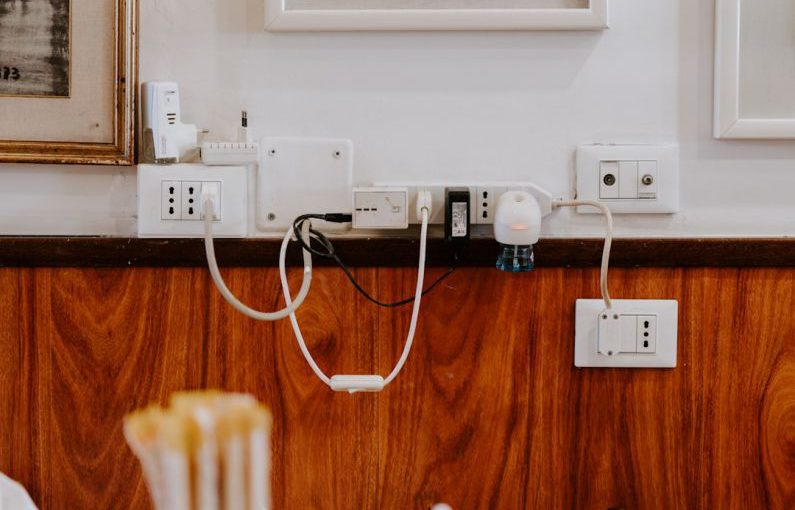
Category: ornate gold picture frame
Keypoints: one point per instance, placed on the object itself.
(71, 91)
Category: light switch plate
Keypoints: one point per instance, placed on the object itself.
(657, 319)
(300, 176)
(158, 184)
(630, 179)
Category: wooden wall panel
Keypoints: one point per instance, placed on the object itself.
(489, 412)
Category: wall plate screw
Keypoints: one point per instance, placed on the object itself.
(647, 180)
(271, 217)
(272, 152)
(337, 154)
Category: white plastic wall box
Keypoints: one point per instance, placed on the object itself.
(303, 175)
(614, 175)
(152, 221)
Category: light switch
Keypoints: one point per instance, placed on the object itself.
(628, 179)
(647, 179)
(608, 179)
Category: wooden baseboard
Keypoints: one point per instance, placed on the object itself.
(391, 252)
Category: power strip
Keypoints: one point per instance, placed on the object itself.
(230, 153)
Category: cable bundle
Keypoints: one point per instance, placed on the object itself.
(208, 451)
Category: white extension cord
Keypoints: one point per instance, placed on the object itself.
(208, 208)
(368, 383)
(608, 241)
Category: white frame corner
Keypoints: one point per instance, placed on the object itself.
(280, 19)
(727, 121)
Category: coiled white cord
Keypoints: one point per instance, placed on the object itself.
(208, 207)
(608, 241)
(363, 383)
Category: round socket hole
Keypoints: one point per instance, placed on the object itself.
(609, 179)
(646, 334)
(190, 200)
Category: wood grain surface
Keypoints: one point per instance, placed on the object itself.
(489, 412)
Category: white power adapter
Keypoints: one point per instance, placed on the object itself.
(166, 138)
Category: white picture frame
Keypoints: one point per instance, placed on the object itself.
(280, 18)
(728, 121)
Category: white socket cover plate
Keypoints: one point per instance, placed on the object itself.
(233, 180)
(303, 175)
(586, 333)
(589, 178)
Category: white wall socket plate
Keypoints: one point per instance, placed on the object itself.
(630, 179)
(640, 333)
(483, 198)
(158, 185)
(303, 175)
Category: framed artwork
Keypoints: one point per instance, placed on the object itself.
(754, 69)
(68, 81)
(348, 15)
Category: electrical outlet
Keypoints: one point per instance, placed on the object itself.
(213, 191)
(169, 200)
(191, 191)
(634, 333)
(486, 202)
(631, 179)
(646, 334)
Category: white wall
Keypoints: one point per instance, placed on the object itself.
(445, 105)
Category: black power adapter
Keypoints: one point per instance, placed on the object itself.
(456, 216)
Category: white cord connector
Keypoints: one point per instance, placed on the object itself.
(608, 241)
(211, 195)
(209, 212)
(424, 201)
(369, 383)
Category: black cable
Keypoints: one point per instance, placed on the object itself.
(331, 254)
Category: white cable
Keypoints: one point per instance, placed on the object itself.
(227, 294)
(414, 314)
(608, 240)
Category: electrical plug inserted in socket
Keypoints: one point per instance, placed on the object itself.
(170, 200)
(635, 333)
